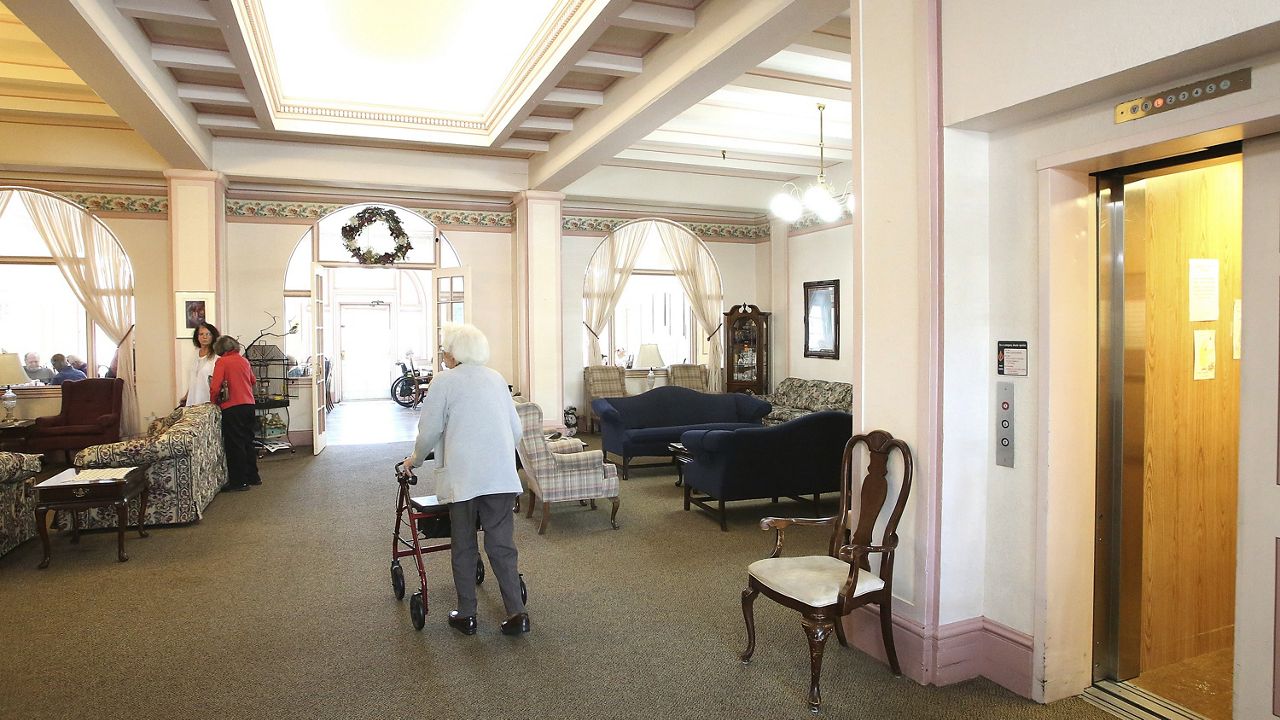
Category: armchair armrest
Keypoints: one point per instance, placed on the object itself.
(780, 525)
(565, 445)
(606, 412)
(139, 451)
(49, 421)
(108, 420)
(853, 553)
(579, 461)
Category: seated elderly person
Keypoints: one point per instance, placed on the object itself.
(36, 371)
(76, 362)
(64, 371)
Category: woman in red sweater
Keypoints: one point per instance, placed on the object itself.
(237, 412)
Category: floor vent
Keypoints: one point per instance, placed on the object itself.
(1133, 703)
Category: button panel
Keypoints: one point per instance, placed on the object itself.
(1184, 95)
(1004, 424)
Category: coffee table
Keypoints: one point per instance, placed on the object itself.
(73, 491)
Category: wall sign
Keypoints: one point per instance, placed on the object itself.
(1011, 357)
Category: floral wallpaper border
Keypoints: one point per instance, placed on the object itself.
(110, 202)
(159, 205)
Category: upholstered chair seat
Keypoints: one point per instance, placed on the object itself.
(813, 580)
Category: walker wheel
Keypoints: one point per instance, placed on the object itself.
(479, 571)
(524, 590)
(397, 579)
(417, 611)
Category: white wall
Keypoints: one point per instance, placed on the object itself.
(492, 292)
(966, 406)
(257, 255)
(821, 255)
(146, 241)
(999, 53)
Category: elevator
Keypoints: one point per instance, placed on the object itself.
(1169, 235)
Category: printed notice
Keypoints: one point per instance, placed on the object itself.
(1235, 331)
(1206, 355)
(1011, 357)
(1204, 289)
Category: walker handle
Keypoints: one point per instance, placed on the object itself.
(404, 473)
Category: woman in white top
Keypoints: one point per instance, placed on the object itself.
(470, 422)
(198, 384)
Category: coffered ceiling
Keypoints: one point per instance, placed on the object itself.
(710, 86)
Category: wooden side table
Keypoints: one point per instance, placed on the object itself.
(66, 491)
(15, 433)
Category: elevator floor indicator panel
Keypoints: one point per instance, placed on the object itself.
(1188, 94)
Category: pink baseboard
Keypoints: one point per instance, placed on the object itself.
(977, 647)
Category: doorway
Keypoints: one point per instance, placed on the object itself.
(366, 350)
(1169, 248)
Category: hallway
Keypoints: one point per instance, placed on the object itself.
(371, 422)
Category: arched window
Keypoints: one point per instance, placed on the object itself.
(653, 283)
(66, 287)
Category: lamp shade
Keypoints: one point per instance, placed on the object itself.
(649, 356)
(11, 372)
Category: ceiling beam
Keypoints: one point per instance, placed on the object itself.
(215, 121)
(552, 124)
(182, 12)
(213, 95)
(191, 58)
(793, 85)
(238, 48)
(113, 56)
(603, 63)
(527, 145)
(732, 37)
(573, 97)
(576, 45)
(822, 45)
(658, 18)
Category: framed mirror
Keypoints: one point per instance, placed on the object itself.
(822, 319)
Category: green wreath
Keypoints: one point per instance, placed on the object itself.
(363, 219)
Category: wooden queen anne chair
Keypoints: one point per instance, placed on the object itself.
(825, 588)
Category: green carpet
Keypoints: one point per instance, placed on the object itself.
(279, 605)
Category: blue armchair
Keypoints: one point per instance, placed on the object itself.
(799, 457)
(644, 425)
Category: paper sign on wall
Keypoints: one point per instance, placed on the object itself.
(1011, 357)
(1204, 289)
(1206, 355)
(1235, 331)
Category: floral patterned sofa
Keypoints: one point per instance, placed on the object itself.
(17, 499)
(797, 396)
(187, 467)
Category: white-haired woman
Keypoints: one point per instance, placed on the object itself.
(470, 422)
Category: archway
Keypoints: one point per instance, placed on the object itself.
(654, 248)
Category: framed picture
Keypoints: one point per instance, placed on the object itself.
(191, 309)
(822, 319)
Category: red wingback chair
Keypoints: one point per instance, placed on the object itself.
(90, 416)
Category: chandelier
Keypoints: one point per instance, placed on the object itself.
(820, 198)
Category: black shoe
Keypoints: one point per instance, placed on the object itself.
(516, 624)
(465, 624)
(236, 487)
(256, 482)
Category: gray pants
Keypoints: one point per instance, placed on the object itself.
(494, 512)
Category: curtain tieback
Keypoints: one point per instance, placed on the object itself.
(713, 332)
(593, 332)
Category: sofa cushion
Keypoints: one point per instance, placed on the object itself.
(672, 433)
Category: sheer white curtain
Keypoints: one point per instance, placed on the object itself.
(606, 278)
(5, 195)
(101, 277)
(696, 269)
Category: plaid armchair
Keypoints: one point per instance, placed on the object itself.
(693, 377)
(559, 471)
(603, 381)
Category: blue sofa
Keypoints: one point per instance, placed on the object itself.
(644, 425)
(798, 457)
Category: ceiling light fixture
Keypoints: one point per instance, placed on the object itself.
(820, 198)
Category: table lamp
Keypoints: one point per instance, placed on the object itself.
(649, 357)
(11, 373)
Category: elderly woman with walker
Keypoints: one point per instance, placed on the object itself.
(469, 421)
